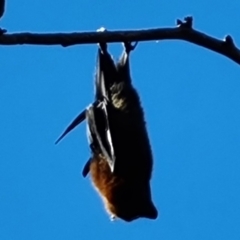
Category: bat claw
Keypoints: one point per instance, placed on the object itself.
(129, 46)
(103, 47)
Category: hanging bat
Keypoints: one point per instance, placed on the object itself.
(121, 161)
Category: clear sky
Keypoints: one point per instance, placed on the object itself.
(191, 98)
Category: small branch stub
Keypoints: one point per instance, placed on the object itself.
(229, 41)
(187, 23)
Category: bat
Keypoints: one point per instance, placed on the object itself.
(121, 159)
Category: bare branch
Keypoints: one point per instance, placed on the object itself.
(183, 31)
(2, 7)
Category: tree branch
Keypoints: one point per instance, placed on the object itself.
(183, 31)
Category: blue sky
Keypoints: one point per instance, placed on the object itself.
(191, 98)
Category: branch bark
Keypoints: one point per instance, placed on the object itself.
(183, 31)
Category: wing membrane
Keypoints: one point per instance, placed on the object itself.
(99, 134)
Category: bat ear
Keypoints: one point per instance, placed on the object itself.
(123, 65)
(75, 122)
(150, 212)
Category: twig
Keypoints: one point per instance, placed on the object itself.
(183, 31)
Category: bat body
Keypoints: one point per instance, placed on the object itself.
(121, 161)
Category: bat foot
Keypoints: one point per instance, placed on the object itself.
(129, 46)
(103, 47)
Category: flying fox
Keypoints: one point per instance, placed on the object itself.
(121, 159)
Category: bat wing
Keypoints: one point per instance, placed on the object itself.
(81, 117)
(98, 127)
(99, 132)
(97, 114)
(106, 73)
